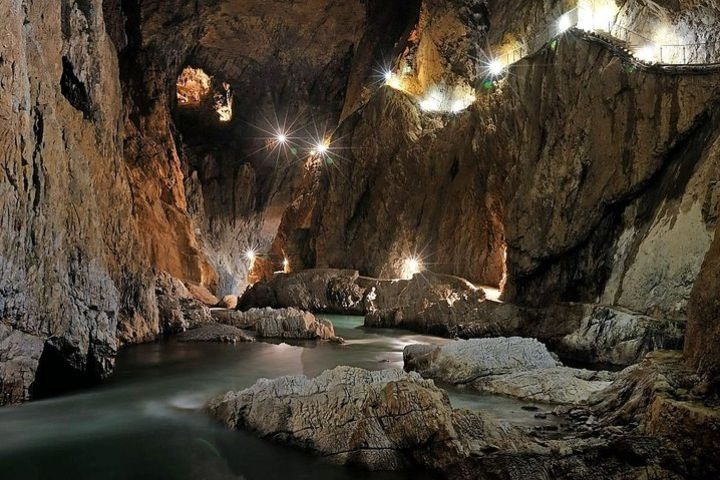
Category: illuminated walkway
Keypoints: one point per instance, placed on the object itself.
(662, 48)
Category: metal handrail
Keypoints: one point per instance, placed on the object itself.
(691, 54)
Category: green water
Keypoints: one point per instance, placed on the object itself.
(148, 423)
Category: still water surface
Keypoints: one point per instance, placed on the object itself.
(148, 423)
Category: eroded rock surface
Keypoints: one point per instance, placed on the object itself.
(215, 332)
(384, 420)
(392, 420)
(519, 367)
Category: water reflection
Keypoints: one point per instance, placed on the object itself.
(148, 423)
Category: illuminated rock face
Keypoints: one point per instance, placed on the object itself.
(70, 268)
(588, 174)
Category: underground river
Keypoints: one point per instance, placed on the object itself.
(147, 422)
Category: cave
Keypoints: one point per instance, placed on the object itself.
(383, 239)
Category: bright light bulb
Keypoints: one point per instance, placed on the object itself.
(281, 138)
(564, 24)
(286, 265)
(388, 76)
(250, 255)
(321, 148)
(496, 67)
(646, 53)
(411, 266)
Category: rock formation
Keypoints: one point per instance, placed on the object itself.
(518, 367)
(392, 420)
(379, 420)
(215, 332)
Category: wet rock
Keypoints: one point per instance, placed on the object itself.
(518, 367)
(214, 332)
(654, 398)
(384, 420)
(293, 324)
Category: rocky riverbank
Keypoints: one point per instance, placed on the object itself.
(391, 420)
(452, 307)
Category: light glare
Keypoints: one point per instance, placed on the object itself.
(646, 53)
(496, 67)
(411, 266)
(564, 24)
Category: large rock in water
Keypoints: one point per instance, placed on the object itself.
(519, 367)
(215, 332)
(292, 323)
(383, 420)
(288, 323)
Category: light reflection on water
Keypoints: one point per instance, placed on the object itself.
(148, 423)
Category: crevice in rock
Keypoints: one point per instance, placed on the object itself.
(74, 90)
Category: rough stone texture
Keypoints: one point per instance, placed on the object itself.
(702, 346)
(69, 267)
(213, 332)
(391, 420)
(463, 361)
(328, 291)
(587, 181)
(519, 367)
(292, 323)
(661, 396)
(383, 420)
(450, 306)
(179, 311)
(302, 61)
(19, 357)
(619, 337)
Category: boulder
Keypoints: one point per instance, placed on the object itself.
(287, 323)
(215, 332)
(317, 290)
(518, 367)
(383, 420)
(462, 361)
(290, 323)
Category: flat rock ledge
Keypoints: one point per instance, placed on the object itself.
(514, 366)
(285, 323)
(215, 332)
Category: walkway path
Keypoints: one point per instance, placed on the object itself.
(639, 48)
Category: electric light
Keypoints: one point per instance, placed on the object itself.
(495, 67)
(286, 265)
(281, 138)
(646, 53)
(388, 76)
(411, 266)
(250, 255)
(564, 23)
(321, 148)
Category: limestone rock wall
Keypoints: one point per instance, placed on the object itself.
(69, 269)
(585, 178)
